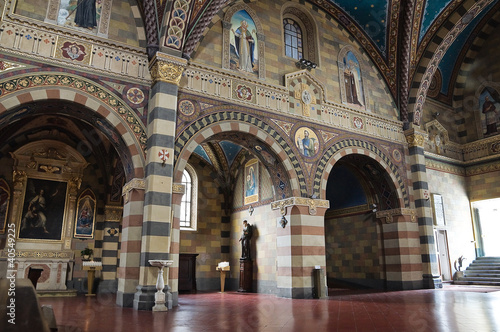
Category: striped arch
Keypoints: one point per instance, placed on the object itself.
(434, 52)
(227, 121)
(354, 146)
(28, 89)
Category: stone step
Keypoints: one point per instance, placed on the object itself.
(484, 283)
(488, 274)
(479, 279)
(484, 266)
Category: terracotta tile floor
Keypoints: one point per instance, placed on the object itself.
(454, 308)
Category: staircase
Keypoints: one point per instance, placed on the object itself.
(482, 271)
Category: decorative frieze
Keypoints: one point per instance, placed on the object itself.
(312, 204)
(389, 215)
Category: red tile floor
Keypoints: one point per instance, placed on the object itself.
(453, 308)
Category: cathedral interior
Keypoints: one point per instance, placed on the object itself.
(358, 139)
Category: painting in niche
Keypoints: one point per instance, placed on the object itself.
(352, 80)
(43, 210)
(489, 105)
(4, 204)
(85, 215)
(80, 14)
(243, 50)
(251, 181)
(307, 142)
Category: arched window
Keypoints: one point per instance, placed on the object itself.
(189, 202)
(293, 39)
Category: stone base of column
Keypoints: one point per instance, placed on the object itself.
(432, 282)
(296, 293)
(144, 298)
(124, 299)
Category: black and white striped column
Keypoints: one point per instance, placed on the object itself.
(166, 72)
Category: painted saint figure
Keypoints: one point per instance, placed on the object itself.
(35, 216)
(490, 112)
(250, 183)
(245, 240)
(86, 14)
(245, 45)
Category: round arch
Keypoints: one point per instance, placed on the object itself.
(231, 121)
(353, 146)
(47, 86)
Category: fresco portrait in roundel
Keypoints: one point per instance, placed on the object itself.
(489, 108)
(243, 50)
(352, 80)
(307, 142)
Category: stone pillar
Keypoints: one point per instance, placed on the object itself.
(300, 246)
(416, 139)
(166, 72)
(178, 191)
(110, 240)
(130, 250)
(401, 247)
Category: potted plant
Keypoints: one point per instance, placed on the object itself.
(87, 253)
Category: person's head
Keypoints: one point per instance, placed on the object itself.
(42, 192)
(244, 24)
(245, 223)
(306, 133)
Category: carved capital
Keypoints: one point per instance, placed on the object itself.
(135, 183)
(168, 69)
(19, 177)
(312, 204)
(389, 214)
(178, 188)
(415, 140)
(113, 213)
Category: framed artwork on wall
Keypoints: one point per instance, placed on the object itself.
(438, 210)
(4, 204)
(43, 210)
(251, 181)
(85, 215)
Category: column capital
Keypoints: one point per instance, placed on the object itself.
(313, 204)
(178, 188)
(167, 68)
(415, 137)
(389, 214)
(135, 183)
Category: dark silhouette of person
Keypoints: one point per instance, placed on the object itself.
(245, 240)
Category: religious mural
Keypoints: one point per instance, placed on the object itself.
(80, 14)
(243, 43)
(489, 106)
(252, 181)
(307, 142)
(85, 215)
(352, 80)
(43, 210)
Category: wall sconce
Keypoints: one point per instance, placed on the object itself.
(374, 208)
(250, 210)
(283, 221)
(306, 64)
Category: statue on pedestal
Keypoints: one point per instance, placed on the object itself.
(245, 241)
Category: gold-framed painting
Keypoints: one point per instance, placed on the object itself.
(43, 210)
(85, 215)
(4, 204)
(251, 186)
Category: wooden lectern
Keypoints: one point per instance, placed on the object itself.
(223, 268)
(91, 267)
